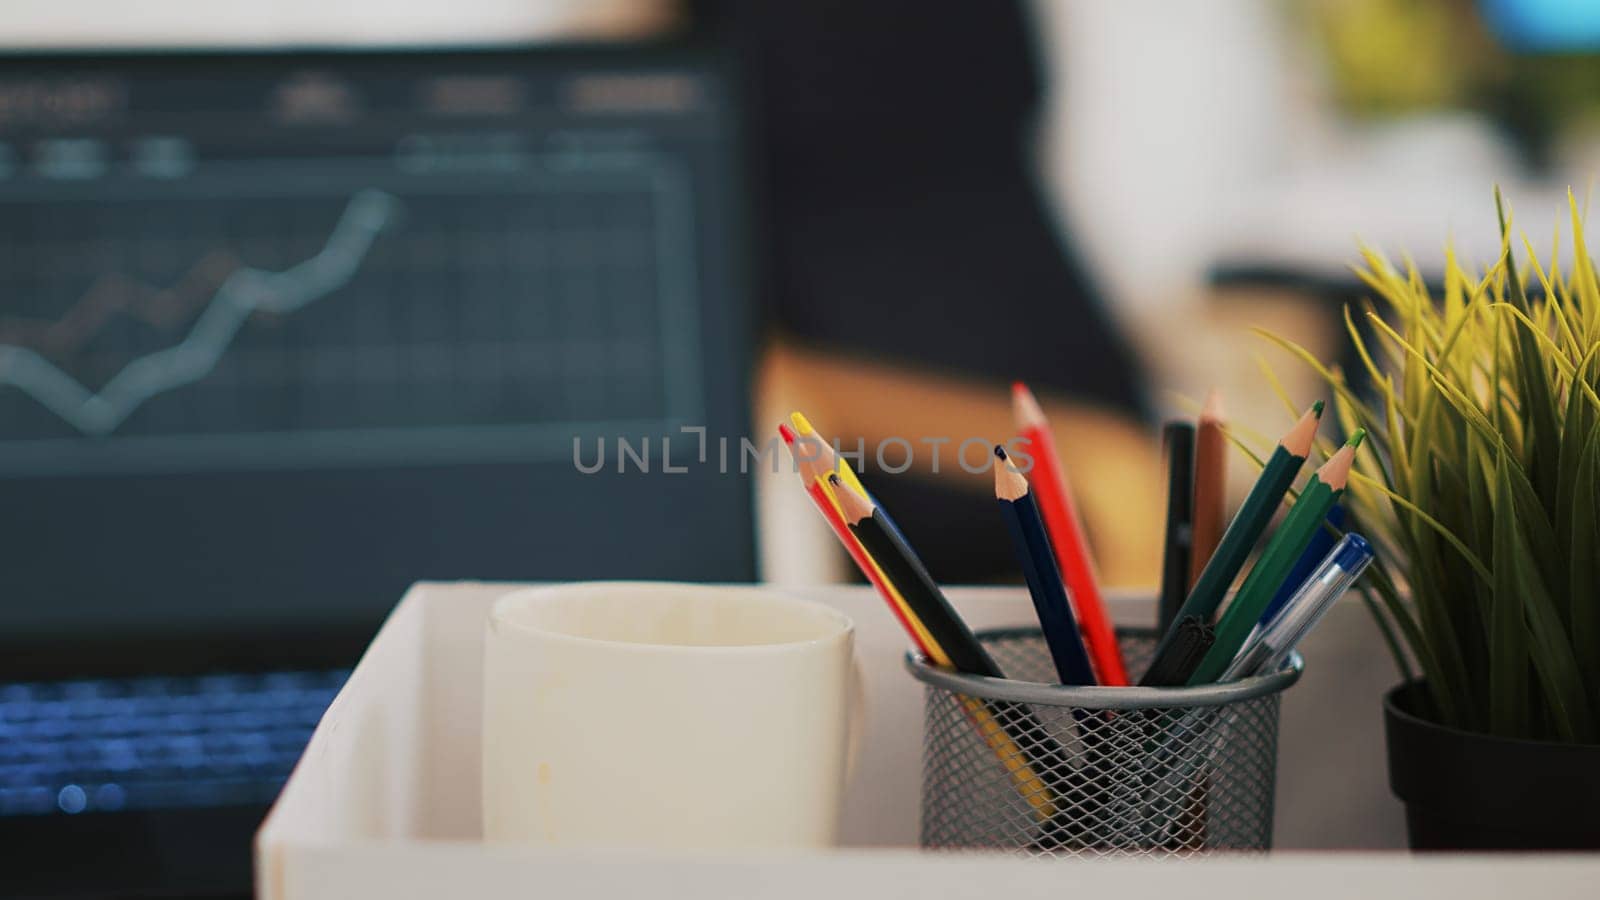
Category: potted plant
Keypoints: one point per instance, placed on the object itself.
(1480, 485)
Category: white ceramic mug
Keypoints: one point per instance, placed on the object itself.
(635, 714)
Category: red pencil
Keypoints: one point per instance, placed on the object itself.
(1066, 539)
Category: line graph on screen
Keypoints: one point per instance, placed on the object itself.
(276, 315)
(118, 293)
(244, 292)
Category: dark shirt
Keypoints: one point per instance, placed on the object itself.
(903, 213)
(904, 221)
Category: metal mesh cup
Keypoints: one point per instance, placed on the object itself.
(1031, 767)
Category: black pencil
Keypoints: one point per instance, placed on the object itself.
(1179, 440)
(1039, 568)
(906, 572)
(902, 568)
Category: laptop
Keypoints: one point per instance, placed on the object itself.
(282, 333)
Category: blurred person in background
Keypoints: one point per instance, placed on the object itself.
(916, 269)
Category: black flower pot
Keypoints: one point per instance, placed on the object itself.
(1466, 791)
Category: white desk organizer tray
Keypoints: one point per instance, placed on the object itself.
(385, 801)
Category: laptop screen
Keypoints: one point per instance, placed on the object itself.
(282, 334)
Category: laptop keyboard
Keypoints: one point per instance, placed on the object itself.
(155, 742)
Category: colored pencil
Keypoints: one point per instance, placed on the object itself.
(1252, 519)
(907, 573)
(1039, 569)
(1065, 534)
(1178, 437)
(1022, 763)
(1321, 544)
(828, 459)
(1085, 791)
(1304, 518)
(814, 482)
(1210, 487)
(997, 724)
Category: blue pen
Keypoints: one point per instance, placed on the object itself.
(1266, 651)
(1315, 552)
(1272, 642)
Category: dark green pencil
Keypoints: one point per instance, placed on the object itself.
(1304, 518)
(1247, 526)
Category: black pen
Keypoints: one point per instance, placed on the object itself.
(1179, 541)
(1191, 638)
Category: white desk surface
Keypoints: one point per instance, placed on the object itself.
(386, 800)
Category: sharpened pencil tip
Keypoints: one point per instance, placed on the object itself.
(1317, 408)
(1304, 433)
(1357, 438)
(852, 505)
(802, 425)
(1025, 409)
(1009, 484)
(1335, 473)
(787, 433)
(1212, 410)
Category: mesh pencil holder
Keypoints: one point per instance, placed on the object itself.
(1034, 768)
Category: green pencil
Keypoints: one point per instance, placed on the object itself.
(1304, 518)
(1246, 528)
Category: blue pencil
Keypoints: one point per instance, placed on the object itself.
(1321, 543)
(1039, 568)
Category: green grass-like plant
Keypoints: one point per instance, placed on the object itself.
(1479, 483)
